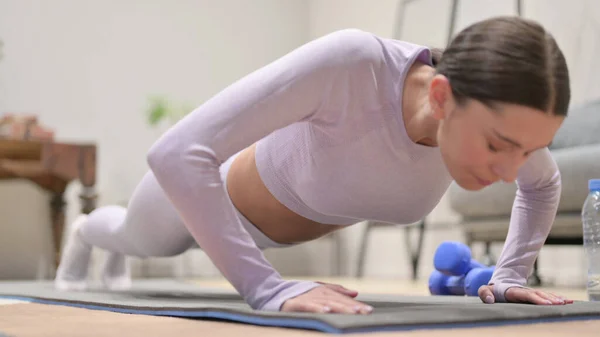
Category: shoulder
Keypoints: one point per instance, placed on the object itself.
(341, 50)
(351, 42)
(350, 47)
(355, 47)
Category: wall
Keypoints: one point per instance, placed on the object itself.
(575, 26)
(88, 67)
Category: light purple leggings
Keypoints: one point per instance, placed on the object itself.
(150, 225)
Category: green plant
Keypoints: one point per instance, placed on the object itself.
(160, 108)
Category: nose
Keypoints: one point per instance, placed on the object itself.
(508, 169)
(507, 175)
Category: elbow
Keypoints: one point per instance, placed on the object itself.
(170, 159)
(553, 184)
(540, 174)
(160, 157)
(553, 189)
(152, 157)
(547, 190)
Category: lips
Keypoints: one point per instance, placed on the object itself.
(483, 181)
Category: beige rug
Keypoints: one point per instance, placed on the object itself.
(39, 320)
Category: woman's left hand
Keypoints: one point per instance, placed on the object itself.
(523, 295)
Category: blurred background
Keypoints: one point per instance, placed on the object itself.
(118, 73)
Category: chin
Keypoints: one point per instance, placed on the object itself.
(469, 184)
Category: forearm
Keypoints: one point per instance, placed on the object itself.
(532, 217)
(186, 159)
(199, 194)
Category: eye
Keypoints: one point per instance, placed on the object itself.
(492, 148)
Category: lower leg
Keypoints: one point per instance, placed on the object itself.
(99, 229)
(116, 274)
(150, 226)
(73, 267)
(105, 229)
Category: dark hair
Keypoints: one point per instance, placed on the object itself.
(506, 59)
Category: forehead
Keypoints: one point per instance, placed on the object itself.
(530, 127)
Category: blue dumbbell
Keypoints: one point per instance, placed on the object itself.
(440, 284)
(454, 258)
(477, 278)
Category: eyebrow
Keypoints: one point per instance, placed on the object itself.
(506, 139)
(514, 142)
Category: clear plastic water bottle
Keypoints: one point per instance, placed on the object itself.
(590, 215)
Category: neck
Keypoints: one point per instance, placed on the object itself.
(420, 125)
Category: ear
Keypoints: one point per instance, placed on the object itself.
(441, 100)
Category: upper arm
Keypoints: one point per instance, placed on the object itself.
(293, 88)
(186, 159)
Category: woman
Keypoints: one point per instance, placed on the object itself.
(348, 127)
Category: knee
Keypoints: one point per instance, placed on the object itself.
(154, 251)
(109, 217)
(166, 248)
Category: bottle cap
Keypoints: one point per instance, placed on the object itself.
(594, 185)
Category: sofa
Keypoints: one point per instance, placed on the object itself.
(485, 214)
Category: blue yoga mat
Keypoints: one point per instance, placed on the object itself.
(392, 312)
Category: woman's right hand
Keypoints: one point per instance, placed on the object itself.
(328, 298)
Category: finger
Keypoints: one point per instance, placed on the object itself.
(486, 295)
(342, 308)
(550, 297)
(300, 306)
(341, 289)
(535, 298)
(351, 303)
(365, 310)
(344, 300)
(566, 300)
(523, 295)
(324, 295)
(356, 306)
(559, 298)
(350, 309)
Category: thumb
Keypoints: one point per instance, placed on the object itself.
(486, 295)
(340, 289)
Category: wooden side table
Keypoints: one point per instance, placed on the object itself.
(52, 166)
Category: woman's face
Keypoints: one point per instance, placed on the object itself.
(481, 145)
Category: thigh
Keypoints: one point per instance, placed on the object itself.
(152, 223)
